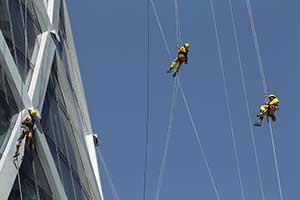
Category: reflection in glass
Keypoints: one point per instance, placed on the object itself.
(20, 31)
(8, 108)
(31, 186)
(59, 133)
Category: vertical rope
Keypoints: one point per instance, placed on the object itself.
(227, 101)
(147, 101)
(199, 142)
(112, 186)
(24, 23)
(178, 27)
(19, 179)
(188, 109)
(172, 109)
(160, 28)
(34, 175)
(257, 48)
(264, 83)
(237, 46)
(167, 141)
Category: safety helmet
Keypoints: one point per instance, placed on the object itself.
(186, 45)
(33, 113)
(271, 96)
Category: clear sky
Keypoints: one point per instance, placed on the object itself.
(111, 43)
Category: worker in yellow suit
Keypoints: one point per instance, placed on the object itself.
(181, 58)
(268, 109)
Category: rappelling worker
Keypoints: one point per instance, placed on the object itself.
(181, 58)
(268, 109)
(28, 126)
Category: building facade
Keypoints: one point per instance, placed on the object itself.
(39, 69)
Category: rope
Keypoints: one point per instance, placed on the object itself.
(24, 23)
(264, 83)
(178, 27)
(160, 28)
(257, 48)
(147, 101)
(199, 141)
(16, 163)
(34, 172)
(167, 141)
(172, 110)
(237, 46)
(187, 107)
(112, 186)
(227, 100)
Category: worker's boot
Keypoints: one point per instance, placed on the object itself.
(174, 75)
(169, 70)
(258, 123)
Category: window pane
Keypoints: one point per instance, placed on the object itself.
(8, 108)
(22, 24)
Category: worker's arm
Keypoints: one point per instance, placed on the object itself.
(274, 102)
(23, 123)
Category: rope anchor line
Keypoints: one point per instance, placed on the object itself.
(264, 83)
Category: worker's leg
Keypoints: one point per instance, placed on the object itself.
(262, 113)
(19, 142)
(173, 65)
(177, 69)
(259, 122)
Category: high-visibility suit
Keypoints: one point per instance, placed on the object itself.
(181, 58)
(268, 110)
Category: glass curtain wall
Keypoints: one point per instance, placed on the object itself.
(8, 109)
(34, 184)
(20, 27)
(58, 130)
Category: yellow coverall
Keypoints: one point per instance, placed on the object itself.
(181, 57)
(269, 110)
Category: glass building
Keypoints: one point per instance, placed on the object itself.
(39, 69)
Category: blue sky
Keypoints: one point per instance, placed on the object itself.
(111, 43)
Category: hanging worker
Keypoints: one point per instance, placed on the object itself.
(268, 109)
(28, 126)
(180, 59)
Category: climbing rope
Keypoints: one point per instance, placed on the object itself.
(161, 30)
(34, 172)
(168, 138)
(172, 111)
(233, 136)
(264, 83)
(178, 27)
(187, 107)
(147, 102)
(199, 142)
(237, 46)
(112, 186)
(16, 163)
(24, 23)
